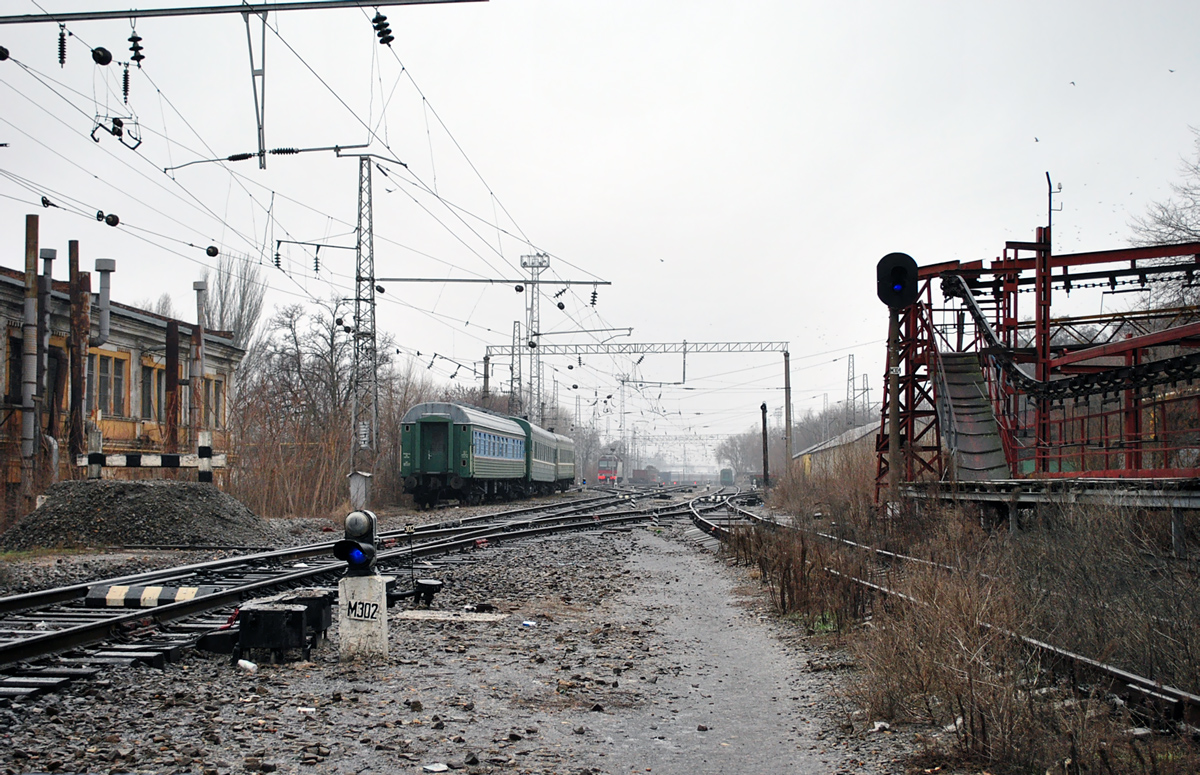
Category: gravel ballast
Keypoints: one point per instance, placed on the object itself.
(616, 652)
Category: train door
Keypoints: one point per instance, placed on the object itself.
(433, 447)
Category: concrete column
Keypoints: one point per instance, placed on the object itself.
(362, 617)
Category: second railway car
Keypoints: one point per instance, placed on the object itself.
(565, 464)
(453, 451)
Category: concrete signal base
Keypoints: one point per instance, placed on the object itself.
(362, 617)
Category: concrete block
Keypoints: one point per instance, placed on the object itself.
(362, 617)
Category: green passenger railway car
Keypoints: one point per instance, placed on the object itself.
(452, 451)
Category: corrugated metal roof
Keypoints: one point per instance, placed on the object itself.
(849, 437)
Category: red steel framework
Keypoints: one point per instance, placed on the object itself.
(1091, 397)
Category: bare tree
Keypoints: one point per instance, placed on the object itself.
(235, 297)
(291, 418)
(1173, 221)
(1177, 219)
(162, 306)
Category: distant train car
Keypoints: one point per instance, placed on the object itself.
(610, 469)
(542, 472)
(726, 477)
(565, 464)
(452, 451)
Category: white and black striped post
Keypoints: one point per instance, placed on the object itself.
(95, 457)
(204, 453)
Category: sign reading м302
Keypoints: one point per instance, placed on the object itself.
(362, 610)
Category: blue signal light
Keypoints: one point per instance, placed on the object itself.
(356, 556)
(898, 287)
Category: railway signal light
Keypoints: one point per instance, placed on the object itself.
(357, 548)
(896, 280)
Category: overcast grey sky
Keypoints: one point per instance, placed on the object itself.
(735, 169)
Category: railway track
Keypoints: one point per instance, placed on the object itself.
(81, 639)
(1165, 700)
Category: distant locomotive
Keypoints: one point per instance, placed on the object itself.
(726, 477)
(610, 469)
(471, 454)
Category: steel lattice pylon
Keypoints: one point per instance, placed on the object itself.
(366, 380)
(514, 394)
(536, 264)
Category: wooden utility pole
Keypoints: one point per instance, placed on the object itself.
(81, 329)
(171, 440)
(29, 359)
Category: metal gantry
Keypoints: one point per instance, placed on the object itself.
(257, 73)
(513, 351)
(1112, 396)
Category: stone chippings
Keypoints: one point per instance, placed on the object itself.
(113, 512)
(477, 697)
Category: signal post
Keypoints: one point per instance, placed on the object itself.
(896, 286)
(362, 592)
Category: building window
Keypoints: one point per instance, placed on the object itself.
(214, 392)
(148, 393)
(106, 384)
(14, 370)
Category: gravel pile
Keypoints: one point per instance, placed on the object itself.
(120, 513)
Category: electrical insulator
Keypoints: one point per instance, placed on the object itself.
(277, 263)
(125, 83)
(135, 46)
(62, 45)
(316, 264)
(382, 30)
(594, 295)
